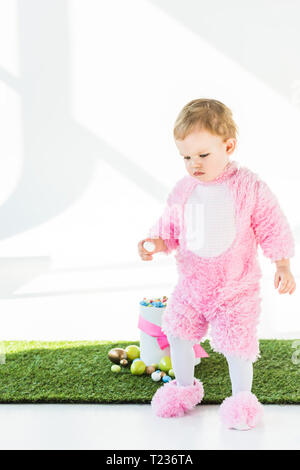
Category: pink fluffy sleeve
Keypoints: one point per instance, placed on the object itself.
(168, 225)
(270, 225)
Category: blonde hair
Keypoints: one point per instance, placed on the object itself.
(205, 114)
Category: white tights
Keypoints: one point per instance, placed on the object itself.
(183, 363)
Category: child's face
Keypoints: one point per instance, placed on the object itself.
(205, 152)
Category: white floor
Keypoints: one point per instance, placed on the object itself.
(132, 427)
(73, 300)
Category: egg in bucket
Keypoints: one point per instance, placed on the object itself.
(153, 341)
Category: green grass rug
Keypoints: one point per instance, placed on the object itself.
(79, 372)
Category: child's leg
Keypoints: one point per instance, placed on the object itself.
(181, 395)
(242, 410)
(241, 374)
(183, 359)
(234, 334)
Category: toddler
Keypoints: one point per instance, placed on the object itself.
(214, 219)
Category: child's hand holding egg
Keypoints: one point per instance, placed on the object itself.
(149, 246)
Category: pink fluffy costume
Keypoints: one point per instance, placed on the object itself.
(215, 227)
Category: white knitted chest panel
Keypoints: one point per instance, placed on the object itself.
(209, 217)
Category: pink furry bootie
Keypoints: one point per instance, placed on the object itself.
(242, 411)
(172, 400)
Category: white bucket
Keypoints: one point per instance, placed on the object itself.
(150, 351)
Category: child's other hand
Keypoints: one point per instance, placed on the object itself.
(159, 246)
(288, 283)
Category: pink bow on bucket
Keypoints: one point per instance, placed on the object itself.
(153, 330)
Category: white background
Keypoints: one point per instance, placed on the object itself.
(89, 92)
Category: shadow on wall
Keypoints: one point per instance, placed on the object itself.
(15, 272)
(56, 165)
(263, 36)
(59, 160)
